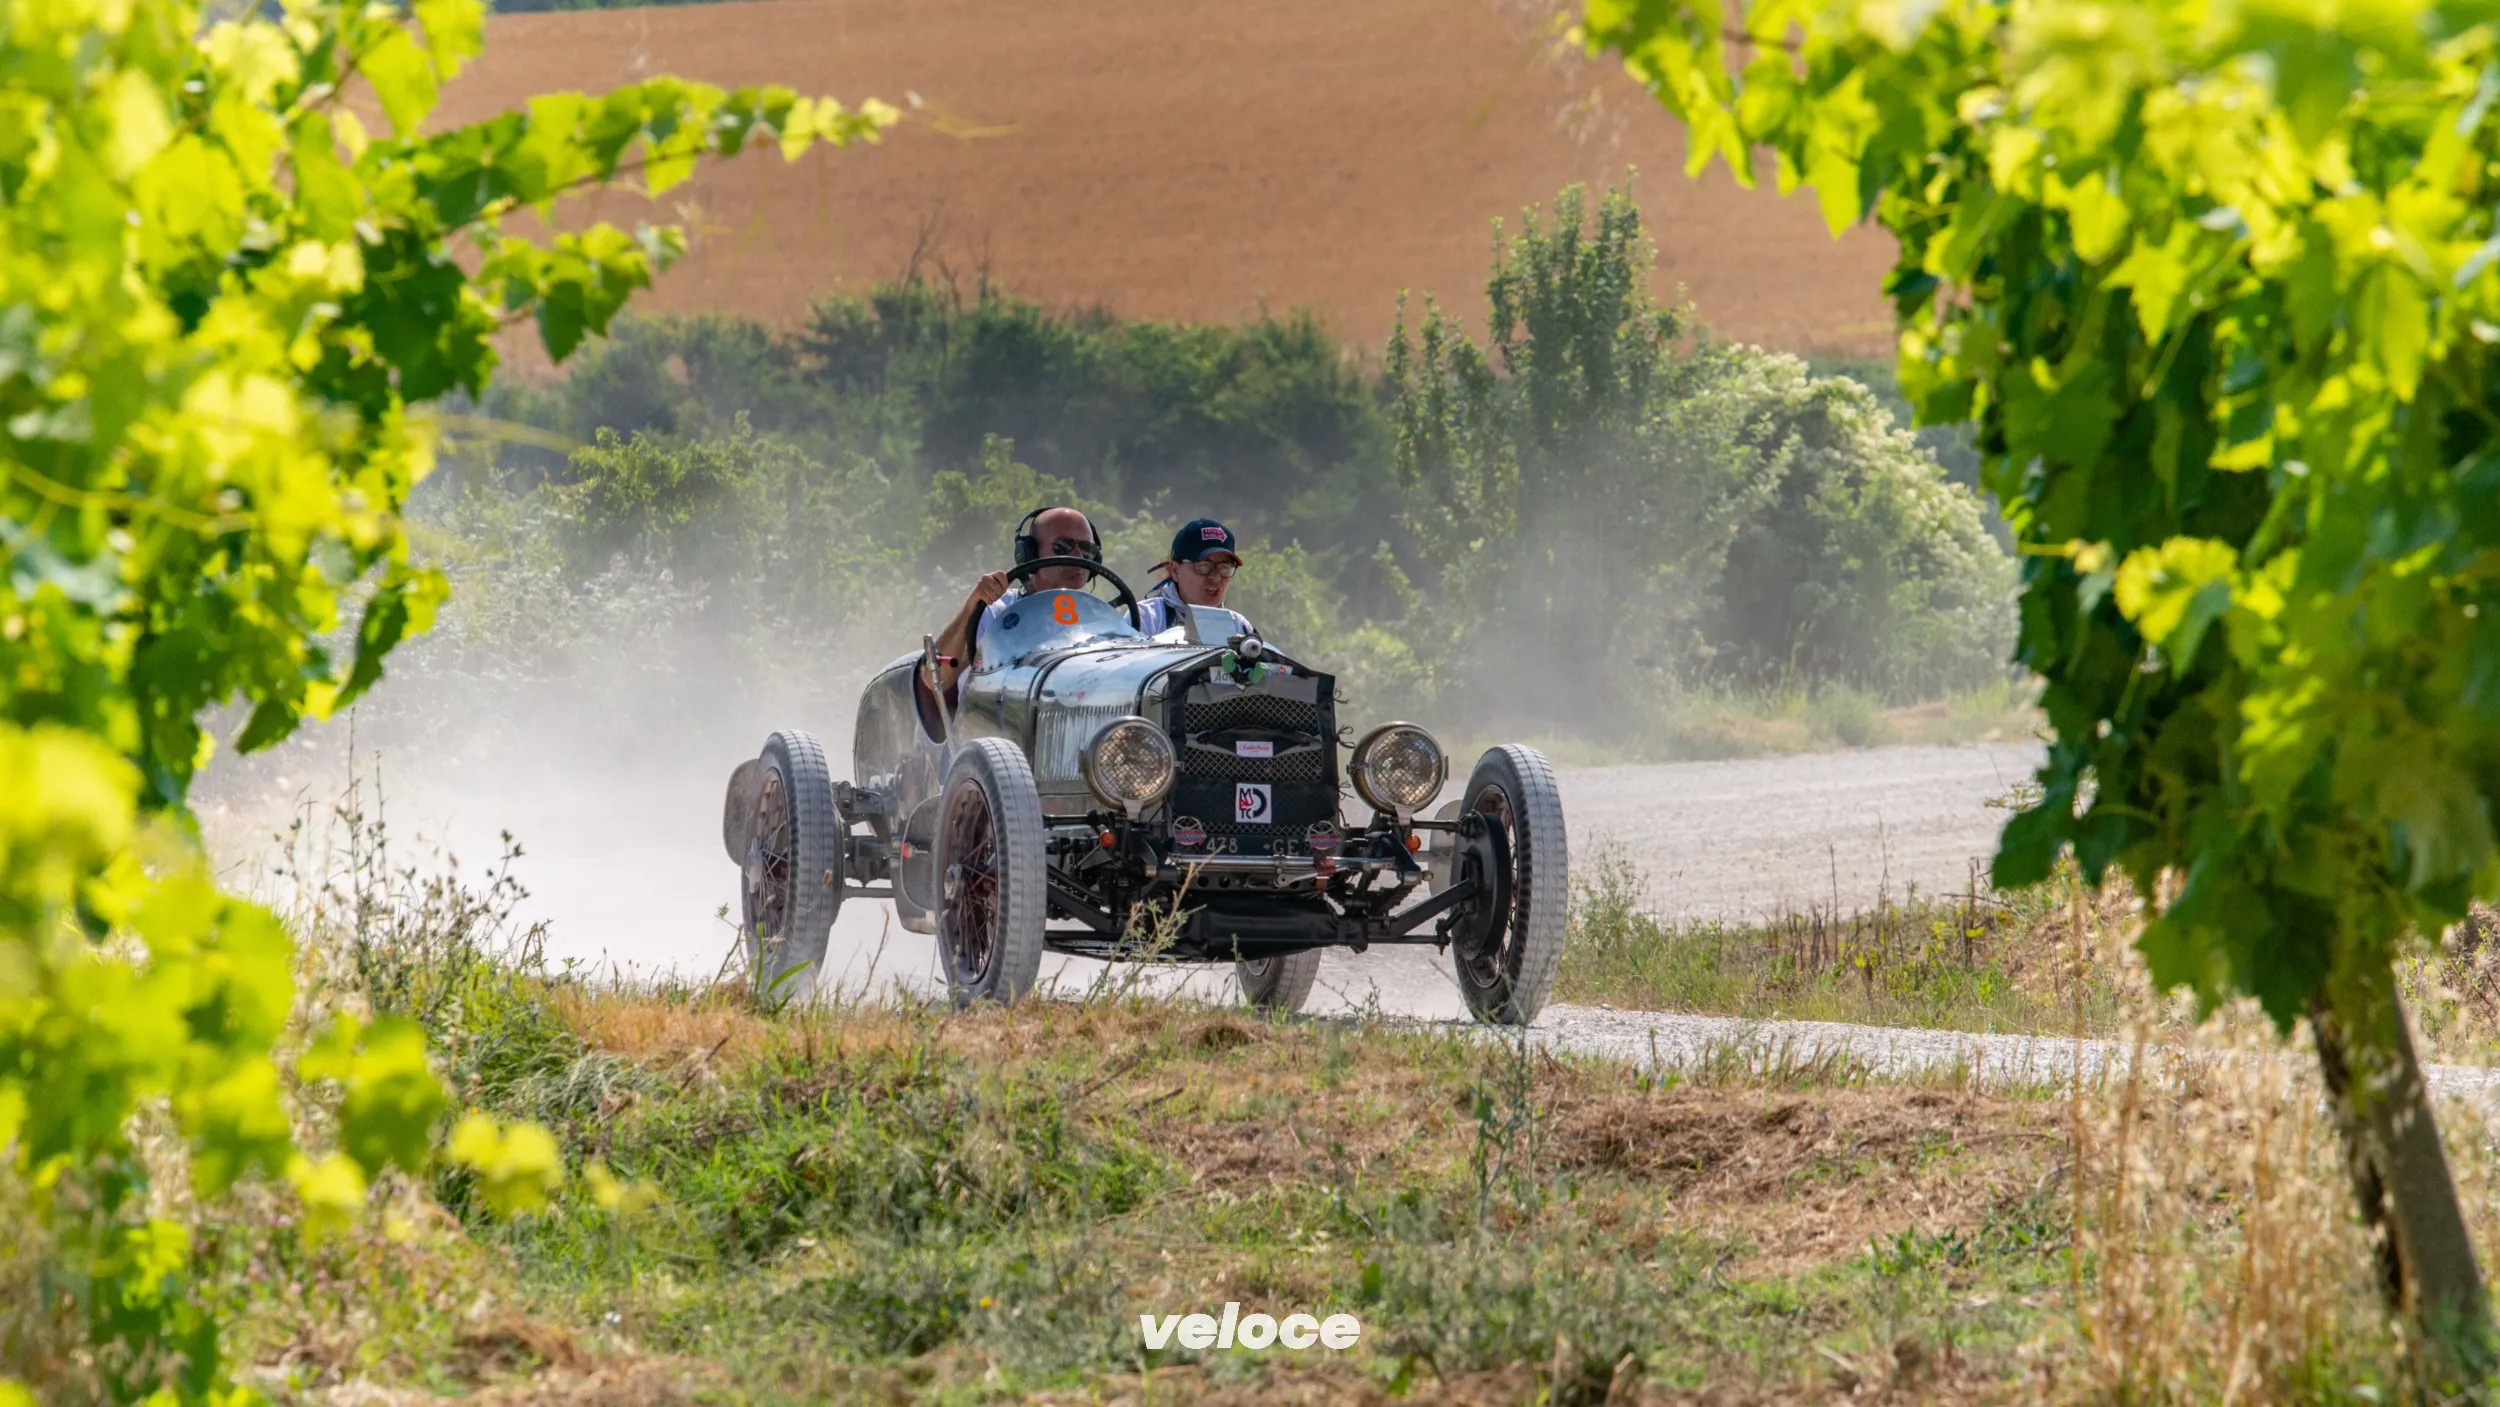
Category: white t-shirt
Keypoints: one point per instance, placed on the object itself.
(1159, 610)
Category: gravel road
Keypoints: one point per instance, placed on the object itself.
(1749, 838)
(1672, 1039)
(626, 868)
(1718, 840)
(630, 875)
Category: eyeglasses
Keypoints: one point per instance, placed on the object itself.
(1074, 547)
(1221, 571)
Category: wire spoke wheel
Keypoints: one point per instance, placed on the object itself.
(969, 926)
(1493, 958)
(991, 884)
(791, 876)
(1507, 948)
(768, 874)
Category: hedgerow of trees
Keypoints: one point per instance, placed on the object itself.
(1595, 512)
(2220, 287)
(224, 304)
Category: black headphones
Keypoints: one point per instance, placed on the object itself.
(1029, 548)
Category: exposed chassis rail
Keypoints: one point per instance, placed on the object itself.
(1106, 938)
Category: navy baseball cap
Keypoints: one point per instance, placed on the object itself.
(1200, 538)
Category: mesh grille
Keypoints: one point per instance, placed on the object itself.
(1265, 711)
(1307, 766)
(1303, 781)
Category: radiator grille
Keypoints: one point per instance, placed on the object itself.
(1257, 712)
(1308, 765)
(1301, 783)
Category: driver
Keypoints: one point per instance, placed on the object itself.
(1197, 573)
(1047, 532)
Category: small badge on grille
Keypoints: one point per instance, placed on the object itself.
(1247, 748)
(1253, 804)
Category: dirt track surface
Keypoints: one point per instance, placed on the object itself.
(1715, 839)
(1182, 159)
(633, 880)
(1758, 837)
(1678, 1039)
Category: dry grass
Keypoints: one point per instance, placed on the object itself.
(617, 1382)
(1805, 1180)
(2228, 1264)
(1979, 960)
(1785, 1187)
(2218, 1260)
(716, 1031)
(1515, 1228)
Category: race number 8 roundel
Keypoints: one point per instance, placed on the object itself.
(1063, 610)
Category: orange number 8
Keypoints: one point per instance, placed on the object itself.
(1064, 610)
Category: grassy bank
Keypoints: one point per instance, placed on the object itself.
(910, 1204)
(878, 1204)
(888, 1205)
(2052, 960)
(2030, 961)
(1719, 724)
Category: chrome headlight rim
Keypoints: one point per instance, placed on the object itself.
(1366, 754)
(1097, 776)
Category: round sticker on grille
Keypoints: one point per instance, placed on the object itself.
(1253, 803)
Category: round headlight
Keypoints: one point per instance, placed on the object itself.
(1129, 764)
(1398, 768)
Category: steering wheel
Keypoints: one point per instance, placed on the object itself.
(1122, 597)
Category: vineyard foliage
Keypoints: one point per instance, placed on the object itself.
(2220, 286)
(236, 267)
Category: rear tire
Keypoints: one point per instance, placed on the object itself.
(1507, 977)
(1279, 985)
(792, 885)
(992, 891)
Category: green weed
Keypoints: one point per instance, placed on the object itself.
(1979, 961)
(854, 1202)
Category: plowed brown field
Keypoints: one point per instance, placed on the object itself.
(1183, 158)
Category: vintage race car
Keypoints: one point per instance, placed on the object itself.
(1095, 791)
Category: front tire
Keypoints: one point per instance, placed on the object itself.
(992, 891)
(1507, 974)
(792, 886)
(1278, 985)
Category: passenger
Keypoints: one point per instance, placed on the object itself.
(1053, 532)
(1198, 573)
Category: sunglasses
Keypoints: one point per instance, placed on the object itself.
(1074, 547)
(1221, 571)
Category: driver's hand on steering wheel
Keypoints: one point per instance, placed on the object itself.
(990, 587)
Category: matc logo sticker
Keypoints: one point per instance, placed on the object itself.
(1253, 803)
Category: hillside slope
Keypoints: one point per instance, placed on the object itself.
(1183, 158)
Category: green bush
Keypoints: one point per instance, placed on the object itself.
(1267, 423)
(1590, 516)
(1864, 567)
(1601, 520)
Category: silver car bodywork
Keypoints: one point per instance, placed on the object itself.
(1274, 868)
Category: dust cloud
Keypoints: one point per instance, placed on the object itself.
(603, 757)
(605, 754)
